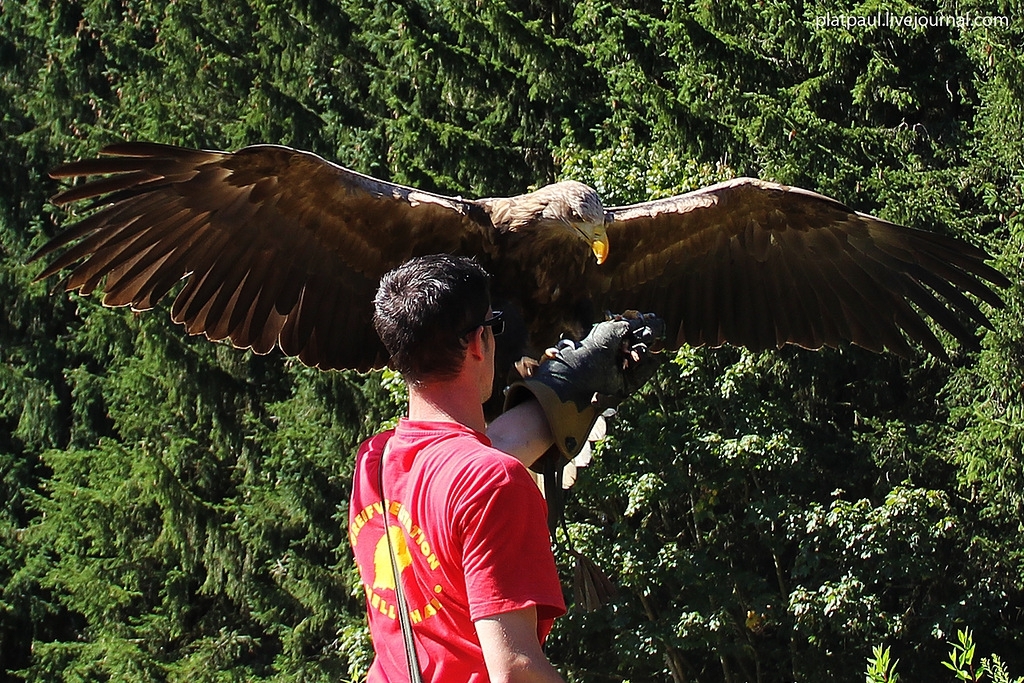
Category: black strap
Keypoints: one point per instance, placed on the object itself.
(553, 464)
(411, 656)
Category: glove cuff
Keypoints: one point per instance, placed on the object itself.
(569, 425)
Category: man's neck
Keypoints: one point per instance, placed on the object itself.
(447, 401)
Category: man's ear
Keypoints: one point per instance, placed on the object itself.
(478, 342)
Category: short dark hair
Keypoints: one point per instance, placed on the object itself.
(423, 309)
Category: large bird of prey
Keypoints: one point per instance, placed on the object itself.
(280, 247)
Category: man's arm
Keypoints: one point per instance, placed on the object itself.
(522, 432)
(512, 652)
(575, 381)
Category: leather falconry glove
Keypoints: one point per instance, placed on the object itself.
(576, 381)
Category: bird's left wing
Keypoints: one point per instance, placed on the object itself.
(760, 265)
(277, 246)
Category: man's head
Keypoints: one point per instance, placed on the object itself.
(424, 310)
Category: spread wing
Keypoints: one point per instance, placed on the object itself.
(277, 246)
(761, 265)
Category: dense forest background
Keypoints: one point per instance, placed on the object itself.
(174, 510)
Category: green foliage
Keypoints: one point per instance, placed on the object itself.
(961, 659)
(997, 669)
(175, 509)
(881, 668)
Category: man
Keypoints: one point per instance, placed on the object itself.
(465, 522)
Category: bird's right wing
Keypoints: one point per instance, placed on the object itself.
(761, 265)
(277, 246)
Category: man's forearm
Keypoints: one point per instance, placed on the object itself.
(522, 432)
(511, 650)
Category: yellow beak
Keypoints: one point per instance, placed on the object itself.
(600, 246)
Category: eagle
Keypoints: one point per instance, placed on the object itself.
(278, 247)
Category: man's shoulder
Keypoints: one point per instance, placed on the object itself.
(374, 446)
(484, 471)
(486, 461)
(458, 453)
(467, 459)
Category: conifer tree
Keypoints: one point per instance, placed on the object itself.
(175, 509)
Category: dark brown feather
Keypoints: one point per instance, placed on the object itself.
(250, 231)
(801, 269)
(278, 246)
(591, 587)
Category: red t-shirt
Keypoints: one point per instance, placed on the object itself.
(474, 544)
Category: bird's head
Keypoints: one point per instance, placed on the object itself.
(565, 210)
(577, 207)
(569, 208)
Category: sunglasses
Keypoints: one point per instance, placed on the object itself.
(495, 322)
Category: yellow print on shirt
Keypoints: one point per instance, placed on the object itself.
(383, 574)
(408, 535)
